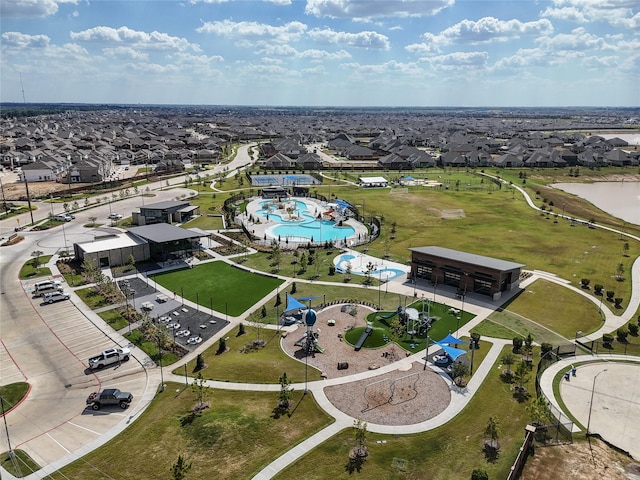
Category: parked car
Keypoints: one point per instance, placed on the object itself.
(115, 216)
(56, 297)
(63, 217)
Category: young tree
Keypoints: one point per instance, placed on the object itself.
(458, 372)
(294, 288)
(367, 272)
(303, 263)
(180, 469)
(199, 362)
(36, 254)
(620, 272)
(201, 392)
(538, 410)
(492, 431)
(278, 300)
(222, 346)
(286, 390)
(521, 375)
(360, 449)
(93, 219)
(508, 359)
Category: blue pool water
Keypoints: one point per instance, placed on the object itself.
(305, 228)
(385, 274)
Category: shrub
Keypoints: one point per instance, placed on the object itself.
(607, 338)
(517, 344)
(222, 346)
(475, 341)
(199, 363)
(633, 329)
(585, 283)
(617, 302)
(479, 474)
(545, 348)
(610, 294)
(622, 334)
(597, 289)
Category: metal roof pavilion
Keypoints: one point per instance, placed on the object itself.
(163, 232)
(470, 258)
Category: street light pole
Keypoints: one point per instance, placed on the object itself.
(591, 402)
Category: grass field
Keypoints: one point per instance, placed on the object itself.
(450, 452)
(264, 365)
(114, 318)
(231, 290)
(92, 298)
(233, 439)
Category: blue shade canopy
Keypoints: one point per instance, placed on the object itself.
(307, 299)
(293, 304)
(451, 340)
(452, 352)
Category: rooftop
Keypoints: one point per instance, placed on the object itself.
(469, 258)
(163, 232)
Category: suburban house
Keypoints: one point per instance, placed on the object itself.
(465, 271)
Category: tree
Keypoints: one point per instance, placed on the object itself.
(303, 263)
(36, 259)
(286, 390)
(492, 431)
(199, 363)
(367, 272)
(538, 410)
(131, 261)
(458, 372)
(347, 272)
(241, 329)
(93, 220)
(201, 392)
(620, 272)
(360, 449)
(278, 300)
(294, 288)
(625, 249)
(517, 344)
(622, 334)
(585, 283)
(521, 375)
(180, 469)
(222, 346)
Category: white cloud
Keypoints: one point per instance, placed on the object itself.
(366, 39)
(255, 32)
(528, 57)
(422, 48)
(615, 12)
(15, 40)
(488, 29)
(189, 59)
(596, 63)
(30, 8)
(314, 54)
(125, 53)
(369, 9)
(458, 60)
(579, 39)
(571, 14)
(383, 68)
(277, 49)
(153, 40)
(316, 71)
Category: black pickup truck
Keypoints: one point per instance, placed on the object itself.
(109, 396)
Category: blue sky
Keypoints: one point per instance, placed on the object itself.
(322, 52)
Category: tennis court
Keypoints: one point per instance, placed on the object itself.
(283, 180)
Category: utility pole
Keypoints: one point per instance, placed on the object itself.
(26, 186)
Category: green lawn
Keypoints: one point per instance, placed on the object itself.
(233, 439)
(114, 318)
(24, 461)
(263, 365)
(27, 271)
(231, 290)
(12, 393)
(450, 452)
(92, 298)
(151, 348)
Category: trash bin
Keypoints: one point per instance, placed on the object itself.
(567, 377)
(343, 365)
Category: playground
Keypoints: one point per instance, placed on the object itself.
(400, 397)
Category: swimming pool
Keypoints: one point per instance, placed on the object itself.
(359, 265)
(301, 225)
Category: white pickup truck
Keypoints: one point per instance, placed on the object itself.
(109, 357)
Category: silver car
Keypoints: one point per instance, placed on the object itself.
(55, 297)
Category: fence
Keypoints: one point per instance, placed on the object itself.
(560, 426)
(521, 459)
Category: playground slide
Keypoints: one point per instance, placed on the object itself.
(319, 349)
(329, 214)
(363, 337)
(299, 343)
(391, 315)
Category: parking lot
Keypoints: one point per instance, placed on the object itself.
(54, 343)
(188, 326)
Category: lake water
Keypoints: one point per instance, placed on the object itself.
(620, 199)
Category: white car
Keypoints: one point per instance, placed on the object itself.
(55, 297)
(115, 216)
(64, 217)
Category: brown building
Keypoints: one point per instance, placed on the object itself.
(465, 271)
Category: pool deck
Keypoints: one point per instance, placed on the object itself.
(260, 229)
